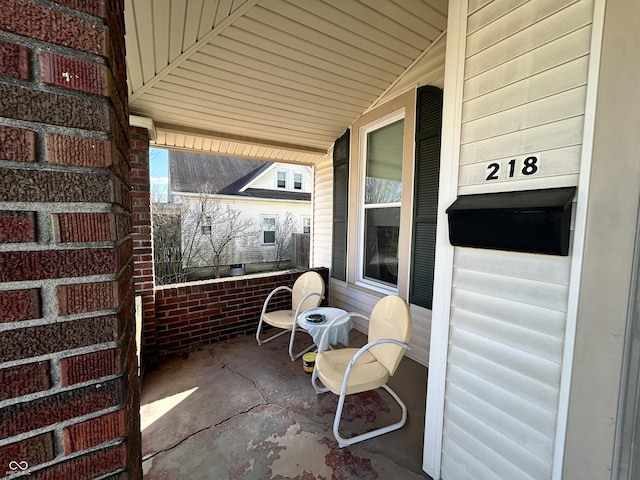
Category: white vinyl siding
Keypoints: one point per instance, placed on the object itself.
(322, 213)
(524, 94)
(269, 178)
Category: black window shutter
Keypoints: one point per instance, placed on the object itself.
(340, 203)
(425, 208)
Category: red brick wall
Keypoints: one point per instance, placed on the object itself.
(193, 314)
(142, 244)
(69, 401)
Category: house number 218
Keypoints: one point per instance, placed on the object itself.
(529, 167)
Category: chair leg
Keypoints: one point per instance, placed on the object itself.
(291, 340)
(314, 383)
(343, 442)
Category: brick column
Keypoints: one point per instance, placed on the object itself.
(69, 401)
(142, 244)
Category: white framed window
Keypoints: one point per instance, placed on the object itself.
(306, 224)
(205, 225)
(268, 230)
(297, 181)
(281, 179)
(380, 201)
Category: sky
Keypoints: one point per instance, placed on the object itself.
(159, 173)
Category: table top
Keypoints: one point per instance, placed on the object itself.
(330, 314)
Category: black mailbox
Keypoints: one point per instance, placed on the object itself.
(535, 221)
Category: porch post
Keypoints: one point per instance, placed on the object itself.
(69, 401)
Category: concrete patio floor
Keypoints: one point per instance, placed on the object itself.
(235, 410)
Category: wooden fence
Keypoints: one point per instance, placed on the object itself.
(300, 250)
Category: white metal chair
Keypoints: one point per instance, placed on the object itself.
(353, 370)
(307, 293)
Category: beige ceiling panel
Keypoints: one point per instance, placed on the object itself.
(274, 79)
(192, 17)
(405, 16)
(176, 29)
(313, 50)
(398, 39)
(161, 22)
(301, 58)
(335, 45)
(224, 10)
(269, 79)
(183, 103)
(366, 14)
(159, 108)
(352, 35)
(134, 70)
(256, 57)
(208, 17)
(272, 91)
(228, 100)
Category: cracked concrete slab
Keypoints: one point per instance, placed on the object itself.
(254, 415)
(189, 396)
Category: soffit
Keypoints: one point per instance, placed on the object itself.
(268, 79)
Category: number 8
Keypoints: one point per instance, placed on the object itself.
(530, 166)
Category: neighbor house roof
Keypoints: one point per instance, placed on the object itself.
(197, 172)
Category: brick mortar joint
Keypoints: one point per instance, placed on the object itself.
(54, 358)
(59, 427)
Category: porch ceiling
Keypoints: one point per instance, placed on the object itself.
(268, 79)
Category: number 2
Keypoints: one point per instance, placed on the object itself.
(493, 174)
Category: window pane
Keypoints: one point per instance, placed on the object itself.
(269, 237)
(282, 179)
(297, 181)
(269, 230)
(381, 244)
(269, 223)
(383, 182)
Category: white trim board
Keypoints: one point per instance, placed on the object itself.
(443, 275)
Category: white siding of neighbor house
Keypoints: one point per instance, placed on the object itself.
(524, 94)
(253, 250)
(268, 179)
(429, 70)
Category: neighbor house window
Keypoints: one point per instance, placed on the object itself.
(281, 179)
(381, 155)
(306, 224)
(268, 230)
(205, 227)
(297, 181)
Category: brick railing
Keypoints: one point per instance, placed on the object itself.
(190, 315)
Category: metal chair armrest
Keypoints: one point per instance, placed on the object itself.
(361, 351)
(273, 292)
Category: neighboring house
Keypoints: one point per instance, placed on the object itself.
(265, 194)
